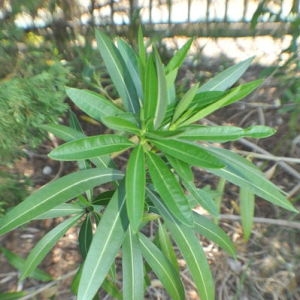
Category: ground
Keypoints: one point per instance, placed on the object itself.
(268, 265)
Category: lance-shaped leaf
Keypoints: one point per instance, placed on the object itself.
(42, 248)
(198, 195)
(169, 189)
(247, 203)
(90, 147)
(223, 134)
(63, 132)
(166, 246)
(185, 102)
(106, 243)
(170, 78)
(121, 124)
(191, 250)
(214, 233)
(85, 236)
(161, 266)
(69, 134)
(118, 72)
(227, 78)
(129, 56)
(150, 88)
(135, 187)
(133, 268)
(241, 172)
(12, 295)
(62, 210)
(54, 194)
(93, 104)
(18, 262)
(178, 58)
(162, 93)
(190, 153)
(234, 95)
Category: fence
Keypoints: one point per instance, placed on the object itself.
(197, 17)
(170, 17)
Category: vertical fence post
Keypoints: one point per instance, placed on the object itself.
(226, 11)
(150, 11)
(169, 3)
(189, 11)
(112, 11)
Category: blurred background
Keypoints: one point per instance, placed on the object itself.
(48, 44)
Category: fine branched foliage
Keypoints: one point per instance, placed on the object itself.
(27, 103)
(161, 135)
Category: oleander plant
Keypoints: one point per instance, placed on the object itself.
(160, 138)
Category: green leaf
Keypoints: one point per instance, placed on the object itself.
(182, 168)
(166, 246)
(103, 198)
(190, 153)
(185, 102)
(54, 194)
(120, 124)
(234, 95)
(106, 243)
(12, 295)
(202, 198)
(223, 134)
(62, 210)
(170, 78)
(42, 248)
(90, 147)
(135, 187)
(191, 250)
(169, 189)
(118, 72)
(108, 285)
(214, 233)
(247, 203)
(18, 263)
(85, 236)
(111, 288)
(162, 268)
(259, 131)
(93, 104)
(241, 172)
(133, 268)
(131, 60)
(69, 134)
(162, 94)
(63, 132)
(199, 196)
(141, 50)
(150, 87)
(179, 57)
(227, 78)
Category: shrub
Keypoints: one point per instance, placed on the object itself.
(161, 135)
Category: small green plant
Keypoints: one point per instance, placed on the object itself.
(163, 140)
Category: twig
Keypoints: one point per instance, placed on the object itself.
(283, 164)
(48, 285)
(291, 224)
(270, 157)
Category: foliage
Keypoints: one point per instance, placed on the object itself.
(13, 189)
(25, 104)
(160, 134)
